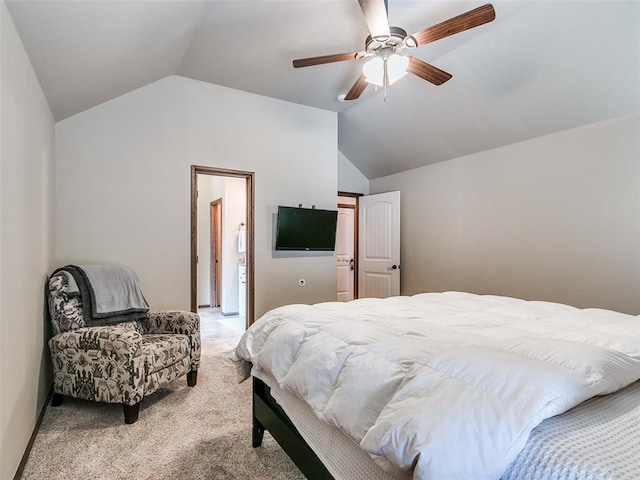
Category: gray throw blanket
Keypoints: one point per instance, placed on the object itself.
(109, 294)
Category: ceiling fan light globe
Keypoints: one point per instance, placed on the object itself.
(396, 67)
(374, 71)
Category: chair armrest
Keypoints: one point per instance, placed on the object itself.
(176, 321)
(121, 340)
(99, 363)
(172, 321)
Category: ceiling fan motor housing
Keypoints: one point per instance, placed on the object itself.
(394, 43)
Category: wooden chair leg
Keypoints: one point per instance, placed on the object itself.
(131, 413)
(192, 378)
(56, 399)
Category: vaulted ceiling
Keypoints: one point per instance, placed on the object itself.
(540, 67)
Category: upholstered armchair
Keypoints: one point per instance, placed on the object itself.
(121, 362)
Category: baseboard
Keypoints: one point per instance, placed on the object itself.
(228, 314)
(27, 450)
(204, 306)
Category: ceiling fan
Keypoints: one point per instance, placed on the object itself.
(386, 44)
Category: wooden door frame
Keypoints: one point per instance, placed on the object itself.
(215, 250)
(250, 255)
(355, 235)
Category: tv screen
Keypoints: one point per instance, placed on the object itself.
(306, 229)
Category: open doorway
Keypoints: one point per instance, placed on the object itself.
(347, 246)
(222, 252)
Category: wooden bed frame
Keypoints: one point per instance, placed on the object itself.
(268, 415)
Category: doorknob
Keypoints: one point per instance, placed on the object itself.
(394, 267)
(352, 264)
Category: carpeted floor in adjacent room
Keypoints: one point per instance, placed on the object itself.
(182, 433)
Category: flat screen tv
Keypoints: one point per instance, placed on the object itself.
(308, 229)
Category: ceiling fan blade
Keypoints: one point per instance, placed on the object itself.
(472, 18)
(357, 88)
(338, 57)
(376, 16)
(427, 72)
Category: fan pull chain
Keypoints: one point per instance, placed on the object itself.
(385, 78)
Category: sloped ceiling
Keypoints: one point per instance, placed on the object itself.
(540, 67)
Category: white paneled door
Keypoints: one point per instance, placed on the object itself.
(379, 245)
(345, 251)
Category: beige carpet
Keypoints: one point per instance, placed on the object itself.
(182, 433)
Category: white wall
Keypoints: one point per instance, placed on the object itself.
(123, 183)
(233, 213)
(26, 245)
(554, 218)
(350, 179)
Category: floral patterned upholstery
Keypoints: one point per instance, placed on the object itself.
(175, 321)
(119, 363)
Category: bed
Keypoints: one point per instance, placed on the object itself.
(448, 385)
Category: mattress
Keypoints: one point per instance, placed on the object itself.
(597, 440)
(339, 454)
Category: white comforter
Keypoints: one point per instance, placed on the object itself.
(449, 384)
